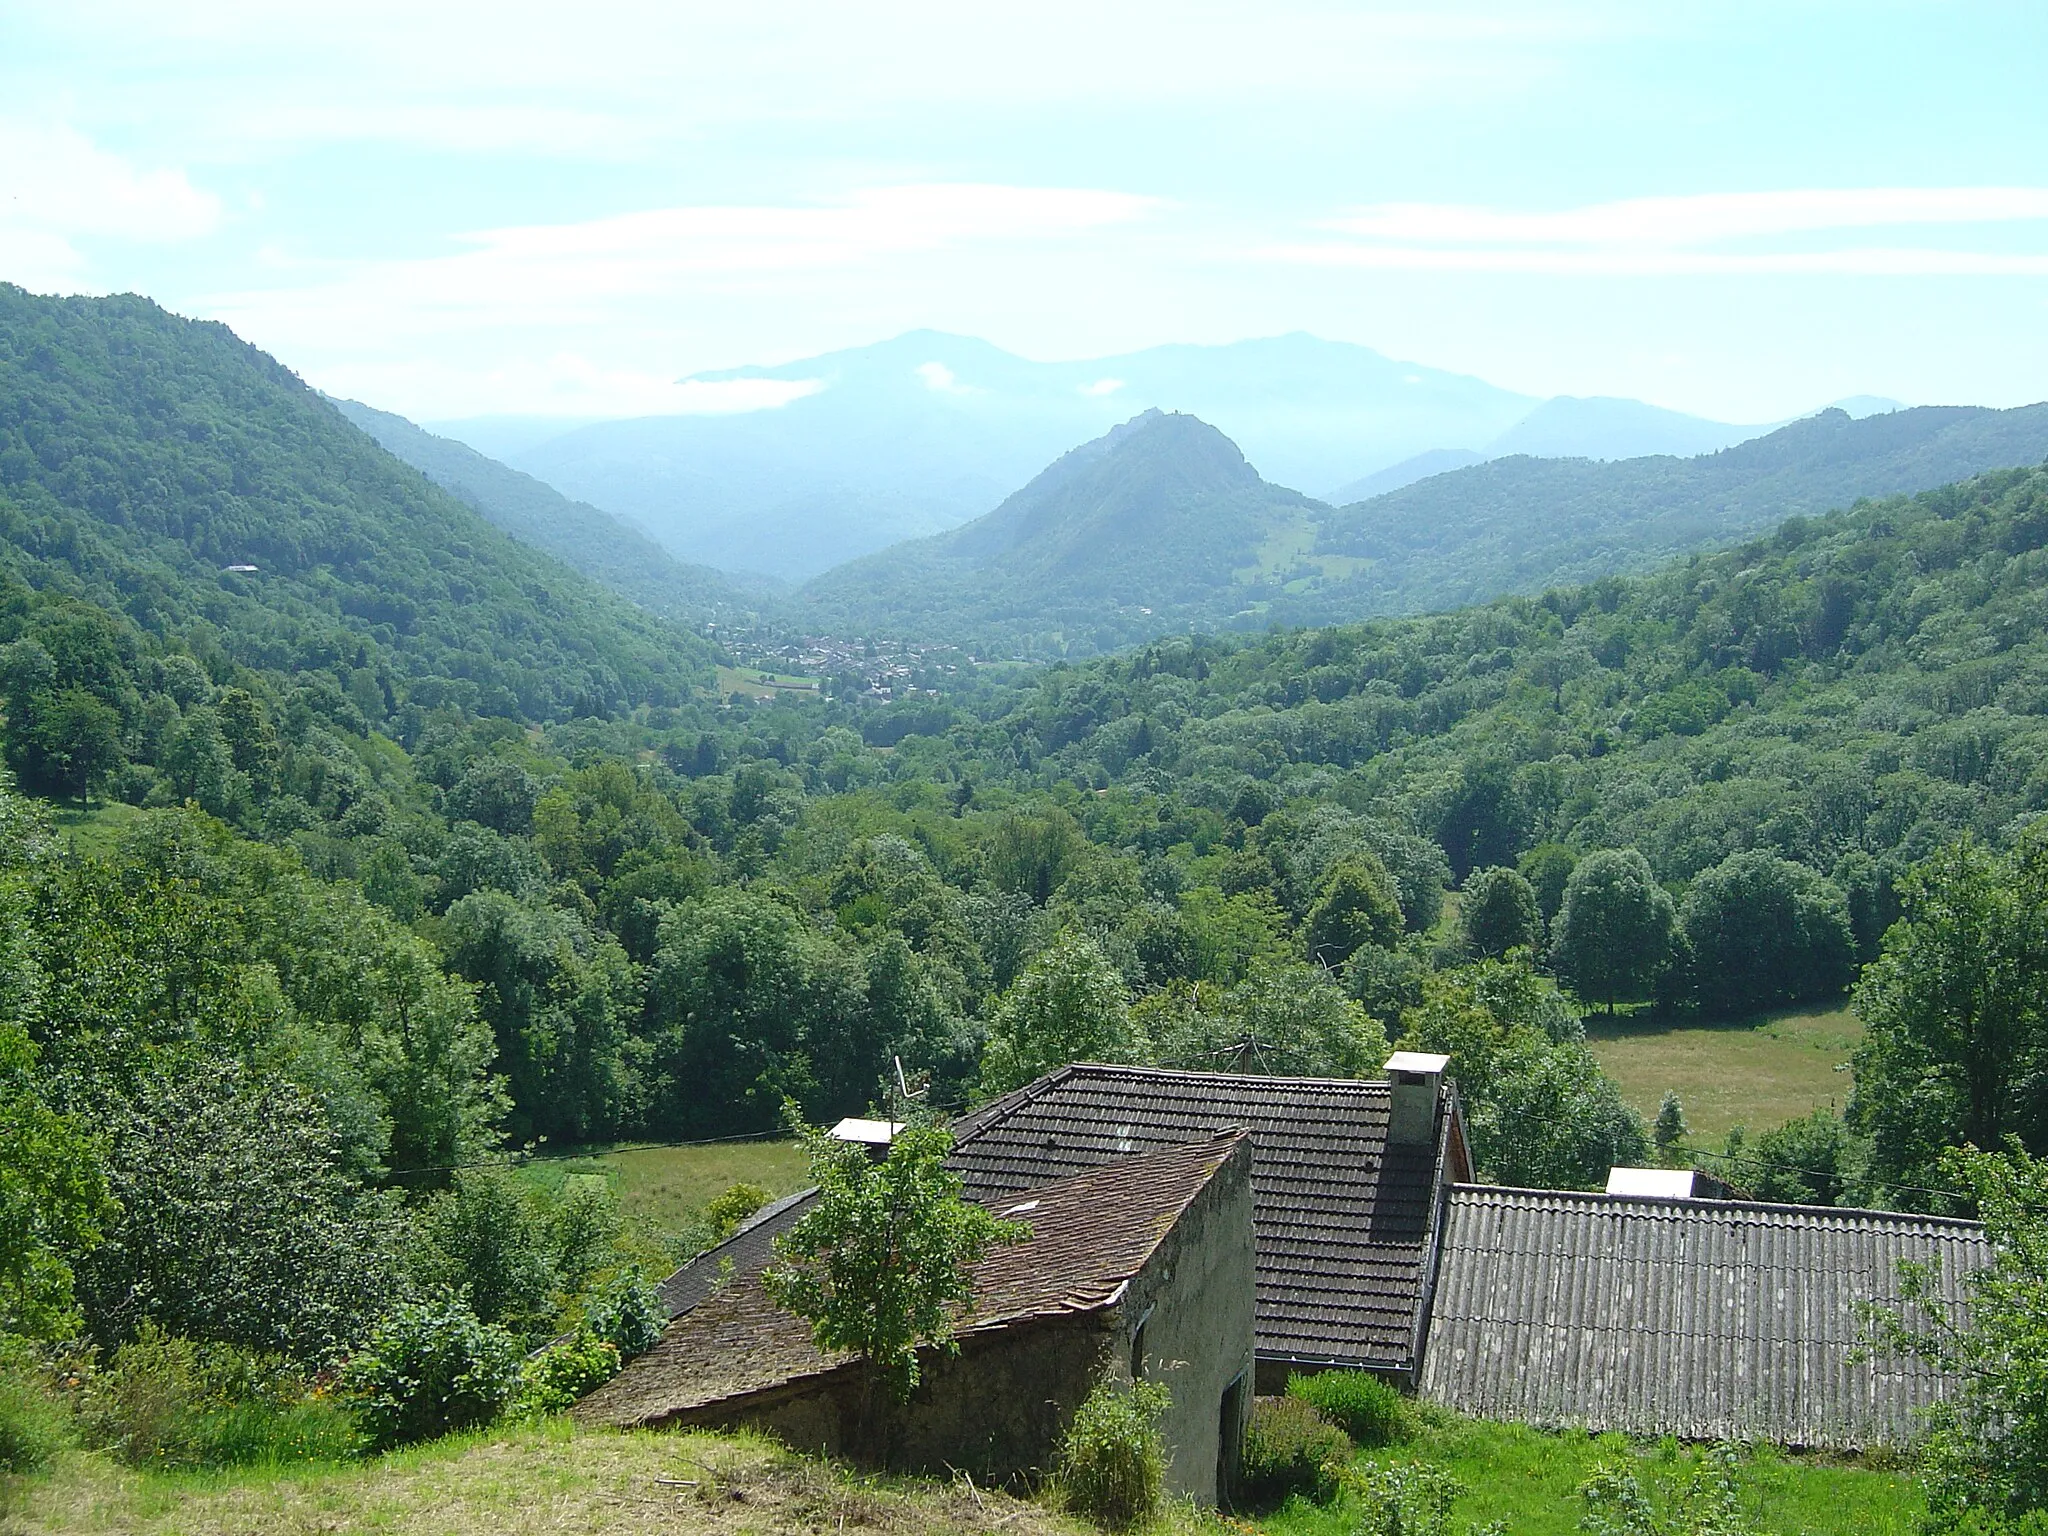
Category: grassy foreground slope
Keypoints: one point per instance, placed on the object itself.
(520, 1482)
(555, 1478)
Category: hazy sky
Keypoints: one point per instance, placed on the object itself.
(1737, 209)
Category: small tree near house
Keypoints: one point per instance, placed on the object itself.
(879, 1265)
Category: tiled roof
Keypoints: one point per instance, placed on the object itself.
(1706, 1319)
(1089, 1236)
(1342, 1222)
(746, 1251)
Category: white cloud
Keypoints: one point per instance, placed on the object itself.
(1712, 234)
(57, 187)
(251, 78)
(1102, 387)
(564, 384)
(595, 271)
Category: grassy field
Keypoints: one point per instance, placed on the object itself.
(518, 1482)
(94, 833)
(755, 683)
(1757, 1073)
(665, 1186)
(1529, 1480)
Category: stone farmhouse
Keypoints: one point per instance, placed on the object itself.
(1221, 1232)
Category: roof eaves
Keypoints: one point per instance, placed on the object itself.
(1761, 1207)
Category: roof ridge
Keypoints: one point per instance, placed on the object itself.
(1785, 1207)
(1130, 1069)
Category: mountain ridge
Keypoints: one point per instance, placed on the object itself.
(924, 431)
(605, 548)
(1020, 579)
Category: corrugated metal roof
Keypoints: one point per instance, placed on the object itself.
(1705, 1319)
(1088, 1236)
(1342, 1220)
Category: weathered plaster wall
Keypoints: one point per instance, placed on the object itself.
(998, 1409)
(1195, 1301)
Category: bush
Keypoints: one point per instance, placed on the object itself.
(168, 1403)
(33, 1428)
(1289, 1448)
(1409, 1499)
(727, 1211)
(554, 1379)
(428, 1368)
(1369, 1410)
(1114, 1460)
(626, 1313)
(145, 1407)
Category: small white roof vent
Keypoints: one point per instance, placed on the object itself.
(1651, 1183)
(1417, 1061)
(874, 1133)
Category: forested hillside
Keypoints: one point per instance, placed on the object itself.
(1521, 524)
(605, 548)
(177, 476)
(1158, 524)
(315, 914)
(1160, 528)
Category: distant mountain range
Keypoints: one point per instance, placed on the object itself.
(601, 546)
(918, 434)
(1161, 524)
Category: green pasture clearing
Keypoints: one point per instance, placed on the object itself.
(93, 831)
(757, 683)
(665, 1187)
(1756, 1073)
(1529, 1480)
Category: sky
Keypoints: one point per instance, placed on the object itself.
(1741, 210)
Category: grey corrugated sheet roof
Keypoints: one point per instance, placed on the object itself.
(1341, 1224)
(1705, 1319)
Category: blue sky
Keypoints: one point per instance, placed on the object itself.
(1736, 209)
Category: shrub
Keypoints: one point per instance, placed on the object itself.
(1114, 1460)
(145, 1407)
(727, 1211)
(554, 1379)
(1369, 1410)
(428, 1368)
(1289, 1448)
(167, 1402)
(33, 1427)
(1409, 1499)
(626, 1313)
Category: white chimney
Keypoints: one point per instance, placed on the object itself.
(1415, 1078)
(873, 1133)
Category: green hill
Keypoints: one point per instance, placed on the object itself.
(1521, 524)
(1157, 524)
(1162, 526)
(603, 547)
(1850, 692)
(171, 473)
